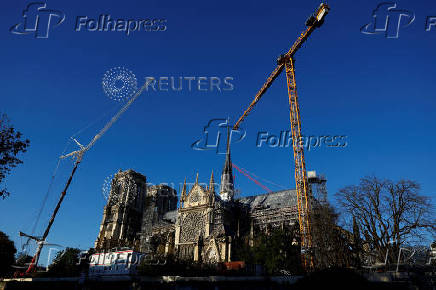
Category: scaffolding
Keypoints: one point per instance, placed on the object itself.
(318, 186)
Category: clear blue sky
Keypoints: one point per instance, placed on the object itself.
(378, 92)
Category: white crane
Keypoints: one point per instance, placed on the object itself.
(78, 154)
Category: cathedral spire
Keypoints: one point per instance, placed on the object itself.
(184, 191)
(226, 188)
(212, 184)
(196, 179)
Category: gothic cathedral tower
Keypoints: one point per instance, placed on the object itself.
(123, 212)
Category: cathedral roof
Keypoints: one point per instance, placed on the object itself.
(273, 200)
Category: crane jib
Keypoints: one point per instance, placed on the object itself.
(317, 22)
(304, 195)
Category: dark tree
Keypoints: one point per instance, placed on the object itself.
(357, 246)
(276, 249)
(332, 245)
(7, 254)
(66, 263)
(389, 214)
(23, 260)
(11, 144)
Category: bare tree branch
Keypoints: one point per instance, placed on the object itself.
(389, 213)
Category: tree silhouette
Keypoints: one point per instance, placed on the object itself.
(66, 263)
(7, 253)
(332, 245)
(389, 214)
(11, 145)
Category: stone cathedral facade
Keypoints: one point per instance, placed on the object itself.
(203, 228)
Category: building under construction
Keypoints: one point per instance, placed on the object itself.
(203, 226)
(206, 223)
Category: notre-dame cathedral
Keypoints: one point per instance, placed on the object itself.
(204, 226)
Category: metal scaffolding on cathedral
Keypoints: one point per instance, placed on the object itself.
(205, 226)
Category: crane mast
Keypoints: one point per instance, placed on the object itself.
(78, 155)
(286, 61)
(301, 183)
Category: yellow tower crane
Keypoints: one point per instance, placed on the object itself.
(286, 61)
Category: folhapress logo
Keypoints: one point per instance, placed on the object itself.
(215, 136)
(388, 20)
(38, 20)
(105, 23)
